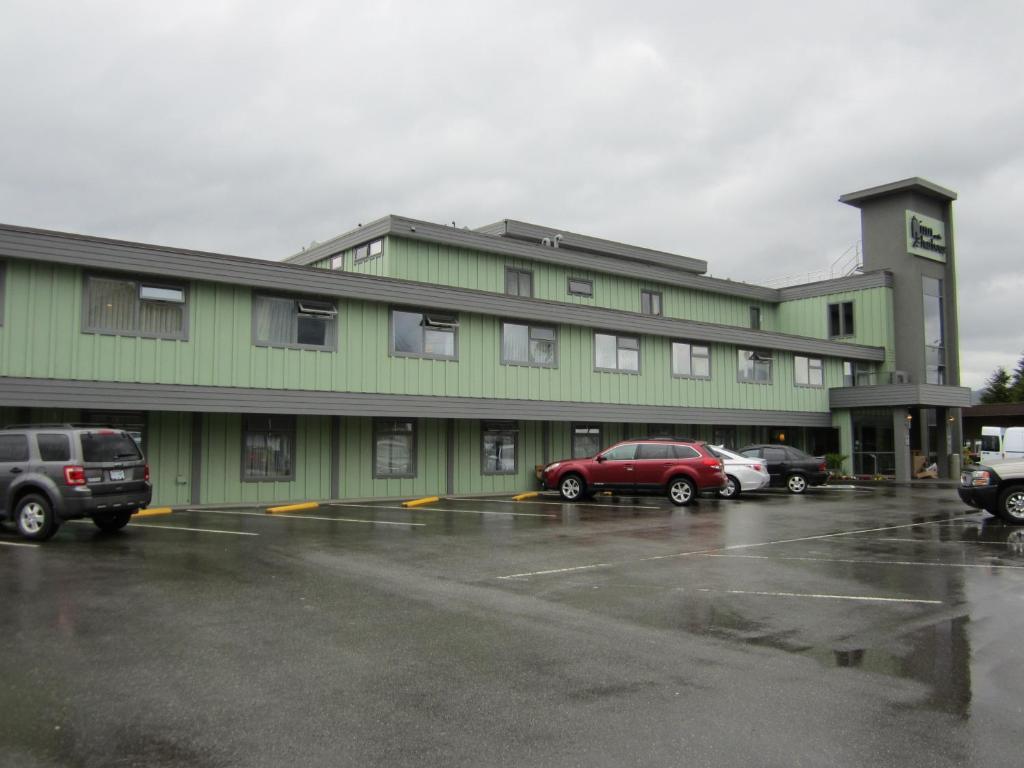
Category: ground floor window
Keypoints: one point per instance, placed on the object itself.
(499, 444)
(394, 448)
(586, 440)
(268, 448)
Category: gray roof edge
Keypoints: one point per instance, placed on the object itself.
(344, 241)
(596, 245)
(880, 278)
(913, 184)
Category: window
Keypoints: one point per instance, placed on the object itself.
(586, 440)
(754, 366)
(338, 262)
(579, 286)
(424, 334)
(934, 332)
(278, 321)
(518, 282)
(857, 374)
(13, 448)
(809, 372)
(394, 448)
(691, 361)
(685, 452)
(650, 302)
(655, 451)
(498, 445)
(125, 307)
(268, 448)
(528, 345)
(755, 318)
(625, 452)
(54, 447)
(840, 319)
(369, 250)
(616, 353)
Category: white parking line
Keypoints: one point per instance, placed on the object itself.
(571, 504)
(726, 549)
(428, 508)
(18, 544)
(304, 517)
(824, 597)
(866, 562)
(174, 528)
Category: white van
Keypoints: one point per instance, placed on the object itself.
(1000, 444)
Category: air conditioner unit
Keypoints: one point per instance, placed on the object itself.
(900, 377)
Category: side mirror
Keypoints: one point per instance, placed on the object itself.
(599, 458)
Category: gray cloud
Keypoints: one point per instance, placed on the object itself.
(724, 133)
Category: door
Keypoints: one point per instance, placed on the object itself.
(13, 462)
(777, 463)
(653, 461)
(615, 469)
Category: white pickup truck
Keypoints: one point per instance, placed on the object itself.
(998, 488)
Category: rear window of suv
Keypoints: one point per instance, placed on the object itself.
(98, 447)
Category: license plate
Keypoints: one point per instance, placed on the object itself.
(117, 474)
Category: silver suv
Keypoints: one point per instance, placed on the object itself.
(50, 473)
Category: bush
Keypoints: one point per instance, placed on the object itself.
(834, 461)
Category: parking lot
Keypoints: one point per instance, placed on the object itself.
(848, 627)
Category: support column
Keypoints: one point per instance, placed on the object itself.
(901, 442)
(449, 446)
(545, 440)
(197, 458)
(942, 443)
(335, 457)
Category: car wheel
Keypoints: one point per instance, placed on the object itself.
(34, 518)
(1011, 505)
(681, 492)
(732, 488)
(796, 483)
(571, 488)
(112, 521)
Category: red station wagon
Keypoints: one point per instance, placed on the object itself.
(678, 468)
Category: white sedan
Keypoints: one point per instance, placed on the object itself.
(743, 474)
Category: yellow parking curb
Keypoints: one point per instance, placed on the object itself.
(527, 495)
(152, 512)
(292, 507)
(421, 502)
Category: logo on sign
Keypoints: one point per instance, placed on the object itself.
(926, 236)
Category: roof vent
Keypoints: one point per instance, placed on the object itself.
(551, 242)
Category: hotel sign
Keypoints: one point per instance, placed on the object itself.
(926, 236)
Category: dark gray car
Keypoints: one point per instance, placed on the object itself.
(50, 473)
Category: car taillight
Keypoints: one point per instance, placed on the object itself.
(822, 467)
(708, 462)
(74, 475)
(757, 467)
(145, 473)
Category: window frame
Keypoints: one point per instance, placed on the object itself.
(808, 360)
(771, 367)
(367, 250)
(413, 450)
(650, 294)
(138, 282)
(337, 262)
(529, 329)
(574, 426)
(499, 427)
(290, 431)
(617, 336)
(332, 340)
(519, 272)
(392, 352)
(844, 330)
(755, 318)
(569, 289)
(691, 345)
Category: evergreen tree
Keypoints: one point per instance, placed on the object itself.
(997, 388)
(1017, 383)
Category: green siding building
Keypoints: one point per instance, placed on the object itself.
(407, 358)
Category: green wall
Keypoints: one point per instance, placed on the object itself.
(357, 480)
(168, 444)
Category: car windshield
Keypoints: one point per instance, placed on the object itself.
(107, 445)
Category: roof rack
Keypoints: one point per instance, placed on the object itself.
(669, 438)
(60, 425)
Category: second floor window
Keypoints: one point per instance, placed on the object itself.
(857, 374)
(369, 250)
(755, 318)
(280, 321)
(518, 282)
(691, 360)
(424, 334)
(528, 345)
(127, 307)
(579, 286)
(650, 302)
(754, 366)
(616, 353)
(808, 372)
(840, 319)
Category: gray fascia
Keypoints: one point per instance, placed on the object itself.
(913, 184)
(63, 393)
(521, 230)
(876, 279)
(928, 395)
(138, 259)
(343, 242)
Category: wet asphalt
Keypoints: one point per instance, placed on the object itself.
(846, 627)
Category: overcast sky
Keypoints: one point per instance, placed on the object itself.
(724, 131)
